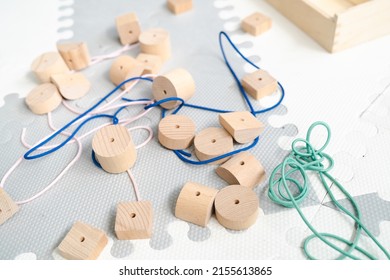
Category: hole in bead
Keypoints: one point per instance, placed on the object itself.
(236, 201)
(70, 60)
(260, 78)
(242, 120)
(130, 32)
(82, 239)
(165, 92)
(154, 35)
(213, 140)
(132, 215)
(257, 18)
(112, 140)
(197, 193)
(121, 67)
(146, 61)
(242, 162)
(1, 211)
(177, 126)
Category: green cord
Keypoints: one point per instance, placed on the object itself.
(306, 158)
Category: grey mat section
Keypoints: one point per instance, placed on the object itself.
(89, 194)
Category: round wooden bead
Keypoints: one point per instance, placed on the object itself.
(176, 132)
(212, 142)
(48, 64)
(114, 148)
(176, 83)
(43, 99)
(71, 85)
(195, 203)
(236, 207)
(156, 41)
(121, 66)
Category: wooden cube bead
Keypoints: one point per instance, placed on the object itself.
(256, 24)
(236, 207)
(156, 41)
(71, 85)
(176, 83)
(150, 62)
(243, 126)
(120, 68)
(128, 28)
(242, 169)
(8, 207)
(179, 6)
(48, 64)
(134, 220)
(195, 203)
(114, 148)
(212, 142)
(75, 55)
(259, 84)
(43, 99)
(83, 242)
(176, 132)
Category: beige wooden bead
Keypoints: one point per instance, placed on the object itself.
(212, 142)
(242, 169)
(179, 6)
(156, 41)
(259, 84)
(75, 55)
(128, 28)
(134, 220)
(195, 203)
(236, 207)
(121, 66)
(48, 64)
(256, 24)
(83, 242)
(150, 62)
(114, 148)
(176, 132)
(71, 85)
(8, 207)
(176, 83)
(243, 126)
(43, 99)
(137, 71)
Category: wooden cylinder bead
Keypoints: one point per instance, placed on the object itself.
(176, 83)
(114, 148)
(128, 28)
(176, 132)
(48, 64)
(242, 169)
(43, 99)
(71, 85)
(121, 66)
(8, 207)
(150, 62)
(236, 207)
(75, 55)
(136, 71)
(195, 203)
(156, 41)
(212, 142)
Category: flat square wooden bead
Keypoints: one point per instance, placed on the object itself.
(243, 126)
(128, 28)
(259, 84)
(121, 67)
(43, 99)
(48, 64)
(150, 62)
(71, 85)
(83, 242)
(176, 132)
(75, 55)
(256, 24)
(134, 220)
(179, 6)
(8, 207)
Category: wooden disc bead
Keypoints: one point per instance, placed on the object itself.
(195, 203)
(242, 169)
(176, 132)
(114, 148)
(43, 99)
(8, 207)
(71, 85)
(212, 142)
(176, 83)
(121, 66)
(236, 207)
(75, 55)
(48, 64)
(156, 41)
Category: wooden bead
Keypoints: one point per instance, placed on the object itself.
(114, 148)
(75, 55)
(212, 142)
(242, 169)
(256, 24)
(150, 62)
(134, 220)
(156, 41)
(195, 203)
(8, 207)
(128, 28)
(137, 71)
(176, 83)
(259, 84)
(121, 66)
(83, 242)
(71, 85)
(236, 207)
(43, 99)
(176, 132)
(48, 64)
(243, 126)
(179, 6)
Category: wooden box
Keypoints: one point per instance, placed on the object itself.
(338, 24)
